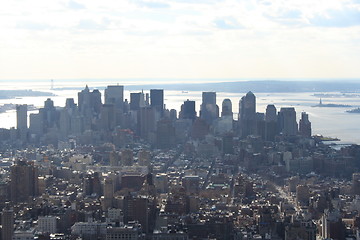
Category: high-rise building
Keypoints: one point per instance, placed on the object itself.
(287, 121)
(7, 222)
(209, 111)
(157, 100)
(247, 106)
(270, 115)
(24, 181)
(270, 123)
(137, 101)
(95, 101)
(21, 116)
(36, 124)
(115, 95)
(188, 110)
(49, 114)
(305, 125)
(247, 115)
(89, 102)
(70, 103)
(226, 109)
(21, 121)
(64, 123)
(146, 122)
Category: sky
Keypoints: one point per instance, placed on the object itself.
(238, 39)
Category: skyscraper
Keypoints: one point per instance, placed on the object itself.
(226, 109)
(287, 121)
(89, 102)
(270, 115)
(21, 116)
(209, 111)
(157, 100)
(247, 106)
(137, 101)
(188, 110)
(247, 115)
(115, 95)
(270, 123)
(21, 121)
(305, 125)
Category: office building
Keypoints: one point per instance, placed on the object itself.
(21, 121)
(271, 125)
(137, 101)
(305, 125)
(226, 109)
(287, 121)
(115, 95)
(247, 115)
(209, 111)
(188, 110)
(157, 100)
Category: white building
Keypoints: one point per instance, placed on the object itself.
(47, 224)
(128, 232)
(28, 234)
(89, 228)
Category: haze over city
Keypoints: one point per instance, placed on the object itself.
(179, 39)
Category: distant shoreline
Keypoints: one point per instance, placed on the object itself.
(9, 94)
(268, 86)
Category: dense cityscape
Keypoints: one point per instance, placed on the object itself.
(133, 169)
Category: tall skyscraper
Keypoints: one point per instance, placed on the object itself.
(226, 109)
(115, 95)
(247, 115)
(270, 115)
(188, 110)
(157, 100)
(21, 121)
(270, 123)
(89, 102)
(49, 114)
(24, 181)
(287, 121)
(137, 100)
(305, 125)
(209, 111)
(247, 106)
(21, 116)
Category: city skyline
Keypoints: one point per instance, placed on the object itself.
(179, 39)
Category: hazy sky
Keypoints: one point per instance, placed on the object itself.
(45, 39)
